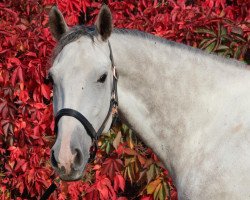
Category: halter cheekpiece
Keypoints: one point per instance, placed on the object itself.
(85, 122)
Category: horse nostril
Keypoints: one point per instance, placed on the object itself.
(78, 159)
(53, 160)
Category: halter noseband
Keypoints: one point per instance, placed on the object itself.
(87, 125)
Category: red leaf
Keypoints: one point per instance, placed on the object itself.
(40, 106)
(24, 96)
(147, 198)
(46, 91)
(20, 163)
(24, 166)
(119, 182)
(31, 54)
(111, 166)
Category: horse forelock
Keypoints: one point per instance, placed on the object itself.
(75, 33)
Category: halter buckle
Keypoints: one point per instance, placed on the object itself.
(115, 72)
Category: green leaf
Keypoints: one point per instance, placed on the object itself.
(206, 31)
(162, 192)
(223, 31)
(166, 188)
(210, 47)
(108, 148)
(156, 192)
(238, 37)
(103, 146)
(225, 38)
(222, 47)
(203, 42)
(208, 43)
(151, 173)
(124, 128)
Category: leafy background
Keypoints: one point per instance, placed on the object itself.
(124, 168)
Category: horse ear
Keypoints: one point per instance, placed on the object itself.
(104, 22)
(57, 23)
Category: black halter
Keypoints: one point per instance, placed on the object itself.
(87, 125)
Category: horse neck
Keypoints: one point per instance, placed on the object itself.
(163, 92)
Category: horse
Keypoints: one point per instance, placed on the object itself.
(192, 108)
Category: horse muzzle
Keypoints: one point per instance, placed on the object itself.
(69, 168)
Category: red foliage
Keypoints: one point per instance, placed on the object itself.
(26, 131)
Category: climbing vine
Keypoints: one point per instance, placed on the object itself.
(124, 168)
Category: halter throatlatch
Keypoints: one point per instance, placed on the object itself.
(85, 122)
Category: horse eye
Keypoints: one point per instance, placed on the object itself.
(102, 78)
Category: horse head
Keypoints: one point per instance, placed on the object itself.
(83, 90)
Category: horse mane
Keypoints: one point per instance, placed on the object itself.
(90, 31)
(193, 50)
